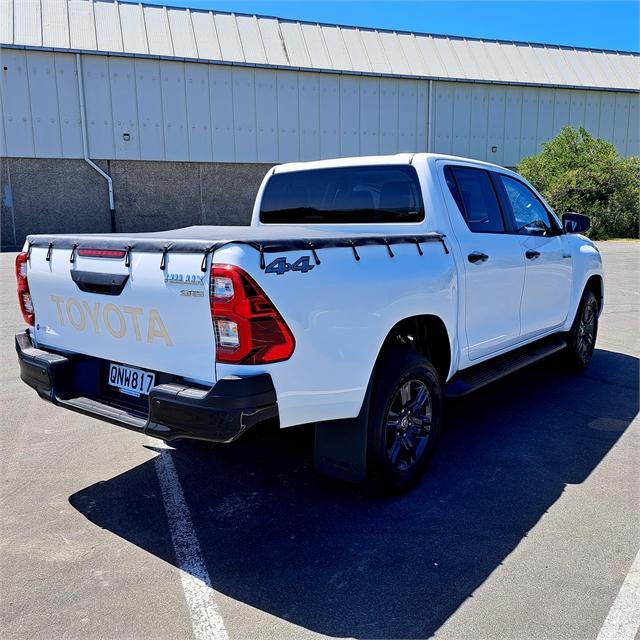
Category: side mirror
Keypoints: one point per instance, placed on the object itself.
(576, 223)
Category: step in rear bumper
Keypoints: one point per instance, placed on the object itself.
(174, 410)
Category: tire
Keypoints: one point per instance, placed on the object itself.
(402, 430)
(581, 338)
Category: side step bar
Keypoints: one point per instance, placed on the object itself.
(476, 377)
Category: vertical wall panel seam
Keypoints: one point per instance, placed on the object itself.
(535, 137)
(504, 122)
(233, 119)
(454, 88)
(319, 123)
(255, 113)
(162, 117)
(275, 83)
(210, 70)
(186, 108)
(29, 100)
(113, 124)
(210, 112)
(470, 121)
(55, 81)
(553, 110)
(626, 130)
(137, 111)
(415, 133)
(398, 118)
(299, 117)
(486, 132)
(378, 136)
(339, 94)
(599, 113)
(522, 95)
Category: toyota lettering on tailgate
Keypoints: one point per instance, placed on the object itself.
(119, 322)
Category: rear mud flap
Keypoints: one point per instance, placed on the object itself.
(340, 448)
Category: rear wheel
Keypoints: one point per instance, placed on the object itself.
(583, 333)
(405, 419)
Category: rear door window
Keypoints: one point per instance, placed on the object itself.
(476, 198)
(343, 195)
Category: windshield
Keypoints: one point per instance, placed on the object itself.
(369, 194)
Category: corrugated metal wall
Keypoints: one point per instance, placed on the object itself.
(199, 112)
(470, 119)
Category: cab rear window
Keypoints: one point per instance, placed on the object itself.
(343, 195)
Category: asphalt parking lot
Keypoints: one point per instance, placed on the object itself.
(526, 526)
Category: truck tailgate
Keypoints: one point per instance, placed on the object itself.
(140, 315)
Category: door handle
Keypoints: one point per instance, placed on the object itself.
(477, 256)
(532, 255)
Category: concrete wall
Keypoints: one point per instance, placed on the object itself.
(56, 195)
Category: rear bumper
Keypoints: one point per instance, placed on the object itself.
(173, 410)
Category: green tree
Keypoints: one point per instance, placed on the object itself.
(577, 172)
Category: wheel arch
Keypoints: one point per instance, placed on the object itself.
(595, 284)
(427, 334)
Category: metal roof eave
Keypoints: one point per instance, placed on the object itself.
(236, 63)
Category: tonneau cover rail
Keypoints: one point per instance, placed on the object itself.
(163, 246)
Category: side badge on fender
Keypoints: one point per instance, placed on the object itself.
(280, 266)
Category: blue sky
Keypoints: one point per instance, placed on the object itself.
(606, 24)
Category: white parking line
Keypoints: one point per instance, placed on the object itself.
(206, 620)
(623, 621)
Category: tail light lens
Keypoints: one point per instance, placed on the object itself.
(248, 327)
(24, 295)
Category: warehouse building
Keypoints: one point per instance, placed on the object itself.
(138, 117)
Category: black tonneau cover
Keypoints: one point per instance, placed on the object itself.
(208, 239)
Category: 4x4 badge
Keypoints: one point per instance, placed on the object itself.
(280, 266)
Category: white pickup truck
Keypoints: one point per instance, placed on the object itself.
(364, 291)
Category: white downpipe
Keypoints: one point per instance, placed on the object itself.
(85, 144)
(430, 116)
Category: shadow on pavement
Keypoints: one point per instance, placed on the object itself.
(340, 560)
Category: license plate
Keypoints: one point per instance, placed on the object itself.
(133, 382)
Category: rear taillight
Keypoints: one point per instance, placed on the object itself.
(248, 327)
(24, 296)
